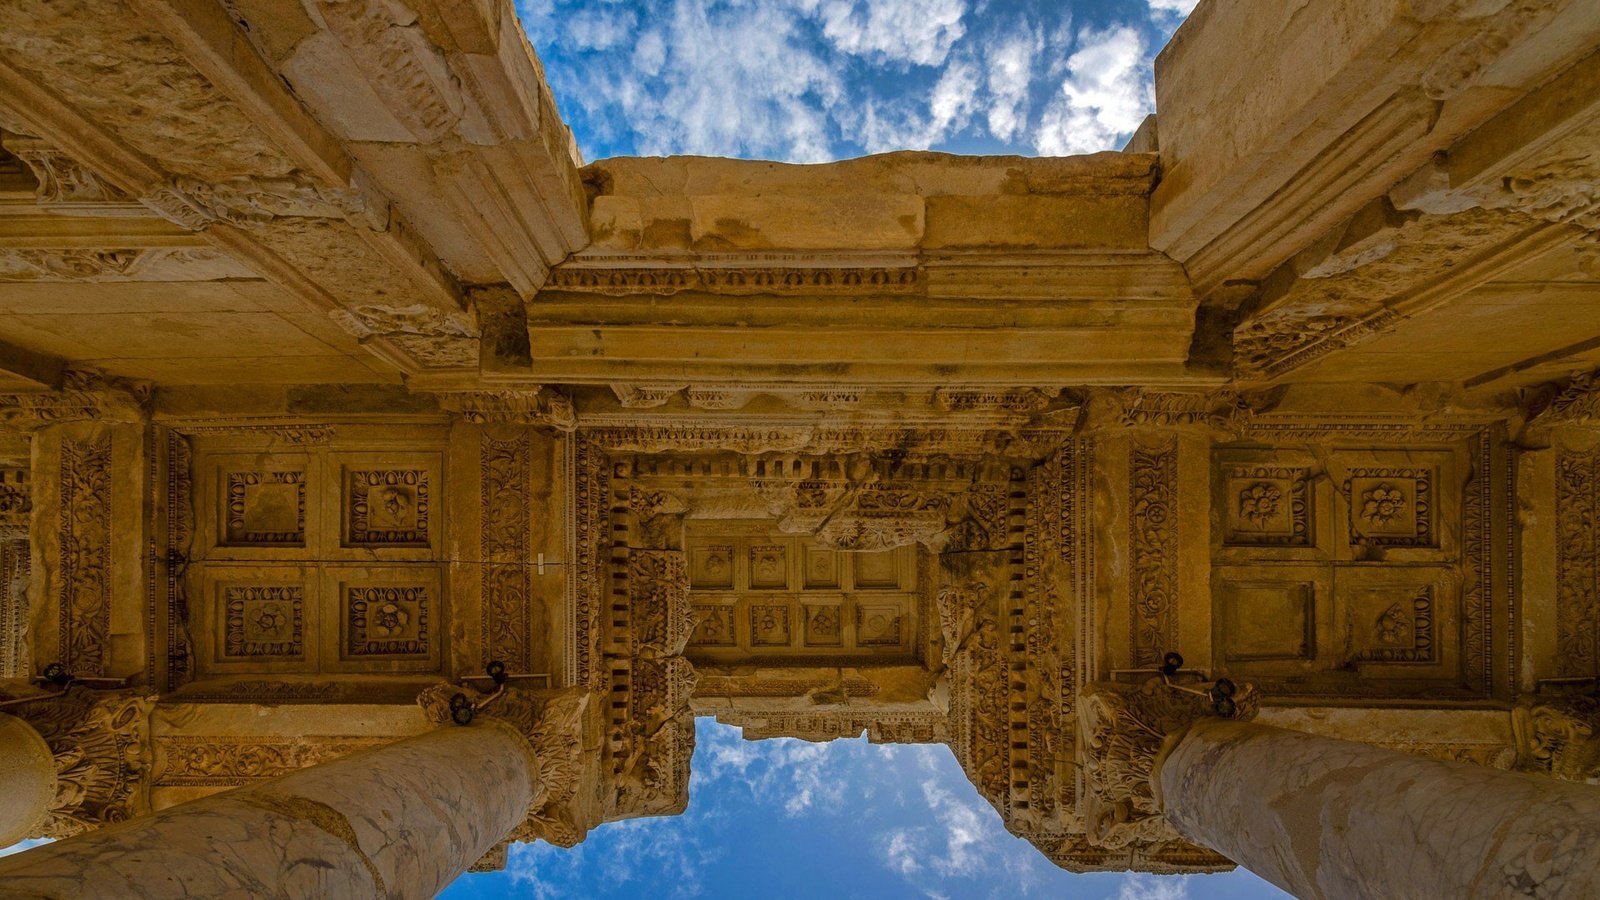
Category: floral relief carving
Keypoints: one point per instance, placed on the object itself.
(1153, 574)
(1382, 504)
(506, 579)
(232, 760)
(85, 561)
(1260, 502)
(1403, 632)
(263, 621)
(388, 620)
(388, 507)
(1577, 575)
(769, 625)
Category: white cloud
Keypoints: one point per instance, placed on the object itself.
(963, 832)
(1010, 76)
(1136, 886)
(1106, 94)
(902, 849)
(913, 31)
(949, 109)
(1180, 7)
(599, 29)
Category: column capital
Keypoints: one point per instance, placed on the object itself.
(1123, 732)
(1559, 736)
(556, 726)
(100, 741)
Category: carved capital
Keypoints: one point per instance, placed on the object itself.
(1121, 733)
(101, 744)
(1559, 737)
(553, 723)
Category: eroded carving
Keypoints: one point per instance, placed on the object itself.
(84, 572)
(1153, 543)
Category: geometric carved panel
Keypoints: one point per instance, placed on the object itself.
(1391, 507)
(768, 567)
(262, 621)
(387, 620)
(712, 567)
(713, 626)
(386, 507)
(769, 625)
(878, 624)
(824, 627)
(265, 509)
(1268, 506)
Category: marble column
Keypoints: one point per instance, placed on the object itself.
(397, 821)
(1326, 818)
(27, 780)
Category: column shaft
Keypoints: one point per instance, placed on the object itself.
(1326, 818)
(398, 821)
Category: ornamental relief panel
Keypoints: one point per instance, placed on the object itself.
(1357, 569)
(322, 559)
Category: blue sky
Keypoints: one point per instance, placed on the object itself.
(817, 80)
(784, 818)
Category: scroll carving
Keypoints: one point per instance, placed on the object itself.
(1153, 547)
(512, 407)
(1577, 580)
(507, 582)
(85, 562)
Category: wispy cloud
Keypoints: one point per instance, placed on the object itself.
(1136, 886)
(813, 80)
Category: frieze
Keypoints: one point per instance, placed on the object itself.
(84, 396)
(62, 179)
(233, 760)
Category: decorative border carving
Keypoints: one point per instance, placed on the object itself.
(281, 610)
(85, 563)
(828, 280)
(1153, 550)
(238, 487)
(233, 760)
(506, 582)
(378, 619)
(362, 485)
(1577, 576)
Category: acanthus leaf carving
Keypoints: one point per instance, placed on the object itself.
(554, 723)
(100, 741)
(1121, 732)
(1559, 736)
(1153, 547)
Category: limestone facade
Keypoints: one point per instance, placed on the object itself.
(330, 375)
